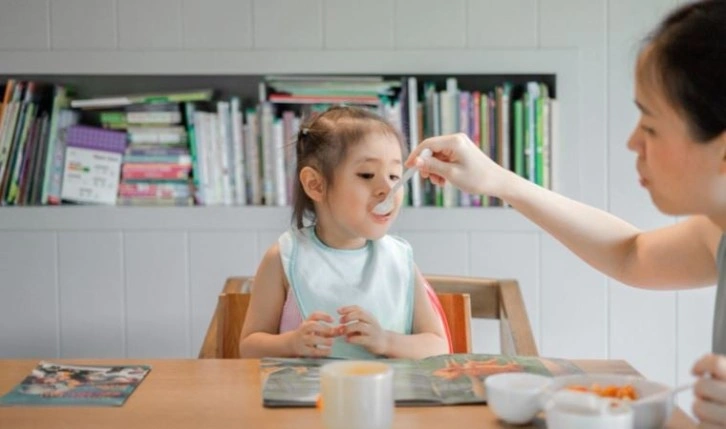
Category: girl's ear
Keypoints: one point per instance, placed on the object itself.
(312, 183)
(722, 153)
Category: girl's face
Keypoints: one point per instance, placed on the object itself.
(345, 218)
(682, 176)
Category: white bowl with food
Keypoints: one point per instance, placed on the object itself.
(647, 413)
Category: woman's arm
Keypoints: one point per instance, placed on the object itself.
(673, 257)
(676, 256)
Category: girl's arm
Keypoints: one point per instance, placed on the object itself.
(428, 337)
(260, 335)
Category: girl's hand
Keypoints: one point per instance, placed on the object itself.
(710, 391)
(363, 330)
(457, 159)
(312, 338)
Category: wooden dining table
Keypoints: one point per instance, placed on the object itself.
(219, 394)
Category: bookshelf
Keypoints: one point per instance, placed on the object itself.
(107, 73)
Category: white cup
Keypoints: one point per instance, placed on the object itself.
(357, 395)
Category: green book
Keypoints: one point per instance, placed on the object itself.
(519, 138)
(125, 100)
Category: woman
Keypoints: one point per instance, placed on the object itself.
(680, 143)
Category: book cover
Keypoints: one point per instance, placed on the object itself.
(52, 384)
(90, 176)
(83, 136)
(438, 380)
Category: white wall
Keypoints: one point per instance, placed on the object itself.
(149, 288)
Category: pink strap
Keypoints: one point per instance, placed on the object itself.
(437, 307)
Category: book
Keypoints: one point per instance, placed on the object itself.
(91, 176)
(126, 100)
(82, 136)
(438, 380)
(53, 384)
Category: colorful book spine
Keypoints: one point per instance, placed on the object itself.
(155, 171)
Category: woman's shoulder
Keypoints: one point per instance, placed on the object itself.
(707, 231)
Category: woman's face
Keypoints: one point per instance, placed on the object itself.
(682, 176)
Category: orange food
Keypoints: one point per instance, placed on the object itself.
(626, 391)
(319, 403)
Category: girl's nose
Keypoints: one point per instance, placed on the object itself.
(383, 186)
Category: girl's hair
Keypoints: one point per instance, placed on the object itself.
(688, 60)
(323, 143)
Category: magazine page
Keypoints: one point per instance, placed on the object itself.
(459, 378)
(438, 380)
(52, 384)
(292, 382)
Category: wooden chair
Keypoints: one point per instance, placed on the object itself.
(461, 298)
(498, 299)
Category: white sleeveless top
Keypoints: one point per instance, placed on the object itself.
(378, 277)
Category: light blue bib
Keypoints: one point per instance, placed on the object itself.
(379, 277)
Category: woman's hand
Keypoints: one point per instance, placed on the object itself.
(457, 159)
(710, 391)
(312, 338)
(363, 330)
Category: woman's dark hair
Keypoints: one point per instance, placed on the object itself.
(688, 59)
(323, 142)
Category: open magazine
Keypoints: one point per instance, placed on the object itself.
(61, 385)
(437, 380)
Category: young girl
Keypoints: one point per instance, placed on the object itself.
(336, 285)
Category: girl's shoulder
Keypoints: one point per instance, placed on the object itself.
(395, 239)
(396, 242)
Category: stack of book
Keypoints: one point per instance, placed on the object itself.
(361, 90)
(33, 117)
(157, 164)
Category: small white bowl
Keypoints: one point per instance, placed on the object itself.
(514, 397)
(646, 414)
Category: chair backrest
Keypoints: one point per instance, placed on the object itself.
(499, 299)
(231, 310)
(461, 298)
(457, 310)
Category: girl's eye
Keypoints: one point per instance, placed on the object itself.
(648, 130)
(366, 176)
(395, 177)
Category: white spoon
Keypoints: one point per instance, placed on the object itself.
(386, 205)
(666, 393)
